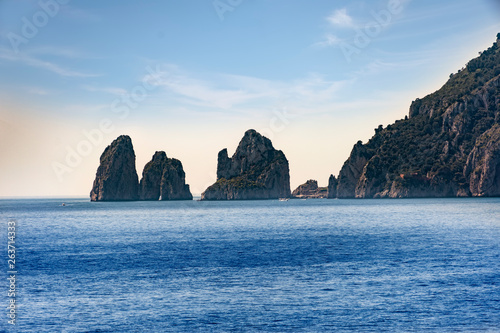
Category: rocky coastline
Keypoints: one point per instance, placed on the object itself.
(447, 146)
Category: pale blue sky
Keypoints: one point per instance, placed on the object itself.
(189, 77)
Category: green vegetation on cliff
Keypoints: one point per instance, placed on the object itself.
(425, 154)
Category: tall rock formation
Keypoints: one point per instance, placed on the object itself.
(255, 171)
(448, 146)
(116, 177)
(332, 187)
(164, 178)
(173, 182)
(149, 188)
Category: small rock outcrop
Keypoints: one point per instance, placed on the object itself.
(255, 171)
(483, 164)
(310, 190)
(116, 178)
(163, 178)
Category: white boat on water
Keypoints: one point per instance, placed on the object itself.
(283, 199)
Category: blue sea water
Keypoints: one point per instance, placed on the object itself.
(414, 265)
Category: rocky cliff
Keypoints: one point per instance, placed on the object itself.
(116, 178)
(150, 185)
(255, 171)
(483, 164)
(332, 187)
(352, 170)
(163, 178)
(173, 182)
(448, 146)
(310, 190)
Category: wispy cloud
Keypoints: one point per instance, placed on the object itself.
(197, 92)
(8, 55)
(49, 66)
(337, 19)
(85, 108)
(224, 91)
(108, 90)
(56, 51)
(75, 13)
(38, 91)
(378, 66)
(340, 18)
(328, 40)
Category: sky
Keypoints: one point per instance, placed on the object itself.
(190, 77)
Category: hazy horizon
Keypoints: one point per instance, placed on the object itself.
(191, 79)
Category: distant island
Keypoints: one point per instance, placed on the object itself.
(448, 146)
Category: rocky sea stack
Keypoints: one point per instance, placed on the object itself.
(163, 178)
(332, 187)
(310, 190)
(116, 178)
(448, 146)
(255, 171)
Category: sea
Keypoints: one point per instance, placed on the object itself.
(402, 265)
